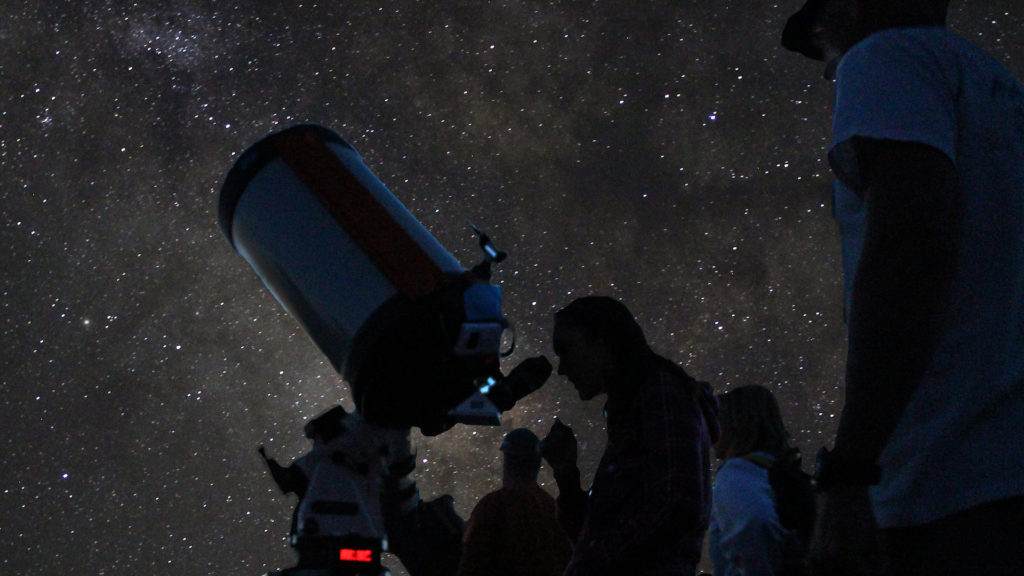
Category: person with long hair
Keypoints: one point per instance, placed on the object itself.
(649, 504)
(747, 533)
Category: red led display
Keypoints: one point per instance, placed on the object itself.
(351, 555)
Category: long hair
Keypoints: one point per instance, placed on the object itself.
(750, 416)
(609, 320)
(605, 318)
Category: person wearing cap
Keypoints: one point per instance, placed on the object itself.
(928, 154)
(649, 503)
(514, 531)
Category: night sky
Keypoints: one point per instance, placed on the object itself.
(669, 154)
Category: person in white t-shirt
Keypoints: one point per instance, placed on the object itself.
(928, 152)
(754, 528)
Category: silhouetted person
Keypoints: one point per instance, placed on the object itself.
(514, 531)
(763, 507)
(928, 152)
(649, 503)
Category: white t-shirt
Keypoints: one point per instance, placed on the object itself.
(960, 442)
(745, 535)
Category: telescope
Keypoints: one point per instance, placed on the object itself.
(416, 336)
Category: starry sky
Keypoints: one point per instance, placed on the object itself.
(669, 154)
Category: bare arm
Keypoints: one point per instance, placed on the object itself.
(902, 282)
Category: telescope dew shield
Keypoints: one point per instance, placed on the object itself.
(372, 287)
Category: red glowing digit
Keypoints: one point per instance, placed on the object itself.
(350, 555)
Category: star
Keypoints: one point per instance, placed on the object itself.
(672, 156)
